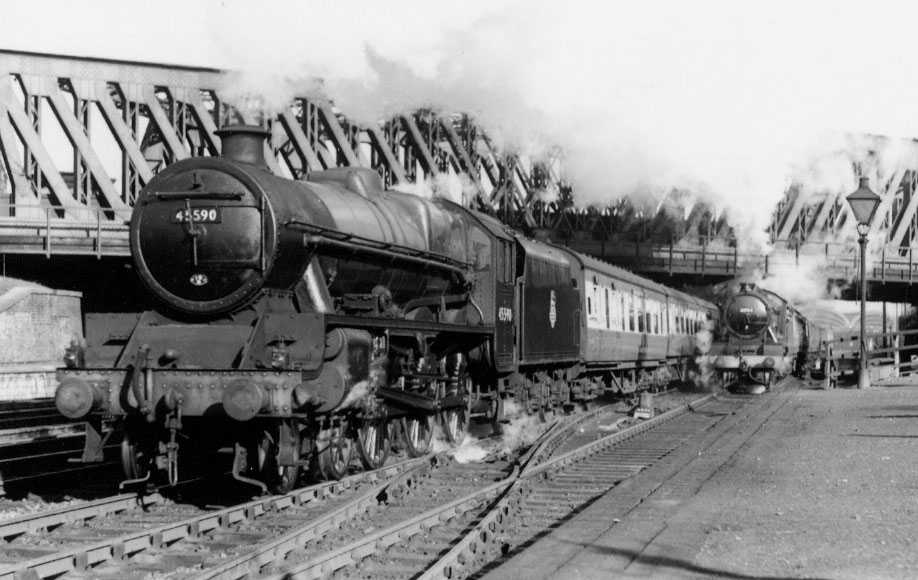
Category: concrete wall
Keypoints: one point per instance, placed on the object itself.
(37, 324)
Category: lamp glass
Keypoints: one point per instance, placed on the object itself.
(863, 203)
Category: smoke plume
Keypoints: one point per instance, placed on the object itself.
(727, 101)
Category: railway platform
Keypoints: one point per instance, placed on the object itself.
(812, 484)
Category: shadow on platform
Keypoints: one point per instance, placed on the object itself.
(676, 563)
(881, 436)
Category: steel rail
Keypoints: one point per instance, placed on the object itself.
(85, 556)
(485, 530)
(46, 520)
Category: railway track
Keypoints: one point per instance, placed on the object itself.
(38, 458)
(445, 539)
(396, 522)
(98, 535)
(101, 534)
(16, 414)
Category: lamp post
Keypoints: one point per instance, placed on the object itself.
(863, 204)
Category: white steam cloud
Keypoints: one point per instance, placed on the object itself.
(729, 101)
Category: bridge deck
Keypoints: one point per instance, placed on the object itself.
(47, 234)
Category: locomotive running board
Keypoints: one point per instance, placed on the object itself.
(403, 324)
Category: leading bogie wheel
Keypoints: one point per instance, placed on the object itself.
(279, 478)
(417, 431)
(136, 460)
(334, 451)
(546, 407)
(373, 442)
(497, 414)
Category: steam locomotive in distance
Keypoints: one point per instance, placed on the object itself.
(301, 320)
(759, 337)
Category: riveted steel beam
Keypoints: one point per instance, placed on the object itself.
(80, 142)
(906, 216)
(299, 141)
(887, 194)
(337, 133)
(35, 149)
(382, 146)
(421, 148)
(795, 205)
(163, 124)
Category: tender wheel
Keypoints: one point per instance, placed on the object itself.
(334, 453)
(279, 478)
(373, 443)
(136, 461)
(417, 431)
(497, 415)
(546, 409)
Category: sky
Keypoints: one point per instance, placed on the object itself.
(729, 100)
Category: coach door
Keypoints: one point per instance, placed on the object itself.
(506, 306)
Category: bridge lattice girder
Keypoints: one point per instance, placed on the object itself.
(152, 115)
(804, 217)
(156, 114)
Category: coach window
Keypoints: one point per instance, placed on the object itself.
(622, 312)
(606, 302)
(629, 305)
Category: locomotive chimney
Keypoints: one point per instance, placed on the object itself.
(244, 143)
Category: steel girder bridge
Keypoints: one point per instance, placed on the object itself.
(118, 123)
(80, 137)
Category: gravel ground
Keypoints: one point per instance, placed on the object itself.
(828, 490)
(826, 487)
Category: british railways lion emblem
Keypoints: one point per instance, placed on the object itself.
(552, 309)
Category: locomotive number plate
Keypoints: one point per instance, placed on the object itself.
(199, 215)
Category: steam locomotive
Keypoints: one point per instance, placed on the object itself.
(301, 320)
(759, 337)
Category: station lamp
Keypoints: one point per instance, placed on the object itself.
(864, 203)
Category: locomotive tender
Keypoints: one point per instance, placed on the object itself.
(760, 336)
(302, 319)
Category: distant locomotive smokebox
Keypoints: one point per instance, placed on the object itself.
(746, 315)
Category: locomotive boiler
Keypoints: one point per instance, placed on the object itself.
(298, 321)
(759, 337)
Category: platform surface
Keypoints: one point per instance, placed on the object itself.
(826, 487)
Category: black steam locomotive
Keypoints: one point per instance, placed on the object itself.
(760, 336)
(300, 320)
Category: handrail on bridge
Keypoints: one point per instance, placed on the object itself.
(887, 349)
(889, 265)
(25, 223)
